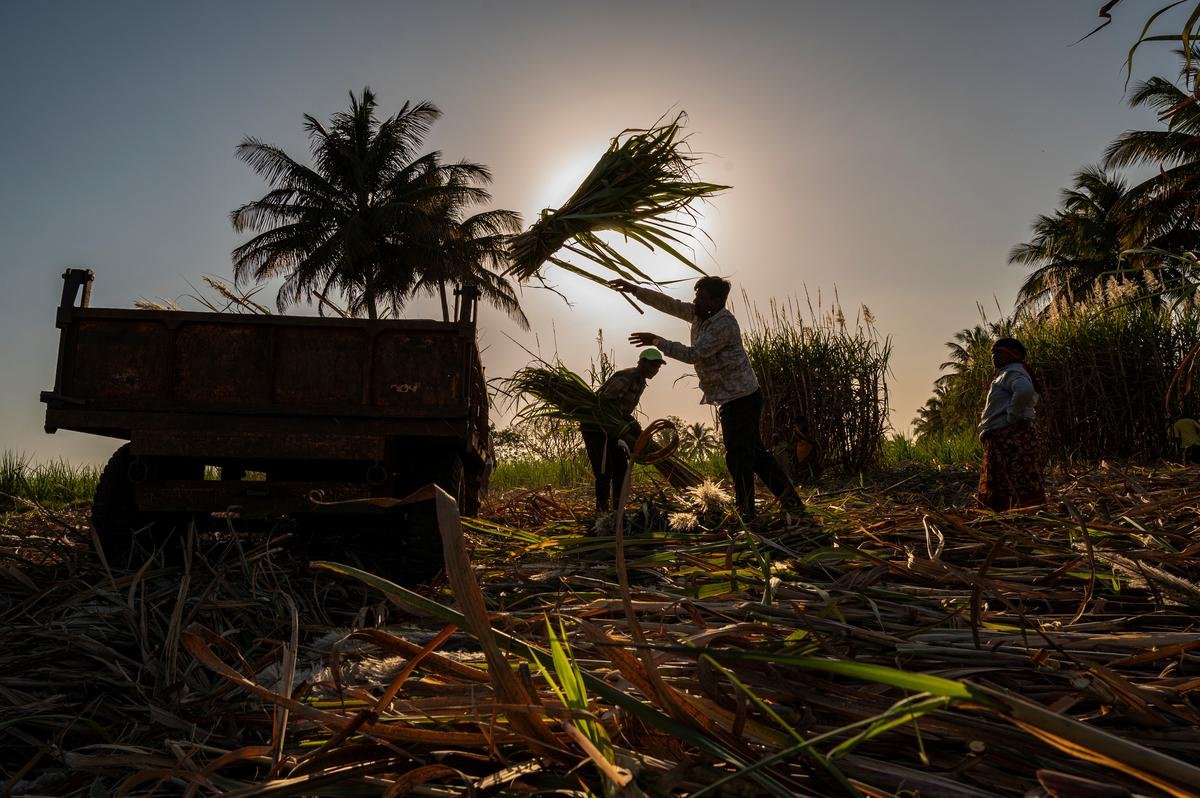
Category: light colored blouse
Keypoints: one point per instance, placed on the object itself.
(1011, 398)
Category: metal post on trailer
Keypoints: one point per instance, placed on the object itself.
(73, 280)
(469, 294)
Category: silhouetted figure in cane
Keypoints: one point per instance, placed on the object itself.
(609, 461)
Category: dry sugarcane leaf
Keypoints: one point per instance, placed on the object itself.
(432, 660)
(1064, 785)
(636, 673)
(373, 713)
(1167, 773)
(420, 776)
(194, 642)
(470, 600)
(310, 784)
(536, 562)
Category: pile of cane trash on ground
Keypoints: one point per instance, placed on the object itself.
(894, 641)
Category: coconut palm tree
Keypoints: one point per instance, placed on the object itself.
(1077, 247)
(966, 349)
(472, 251)
(698, 440)
(930, 421)
(957, 394)
(366, 218)
(1163, 212)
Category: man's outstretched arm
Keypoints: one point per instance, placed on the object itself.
(656, 299)
(717, 335)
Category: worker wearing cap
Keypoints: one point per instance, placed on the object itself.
(1185, 432)
(609, 461)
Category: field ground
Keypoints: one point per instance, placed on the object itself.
(899, 641)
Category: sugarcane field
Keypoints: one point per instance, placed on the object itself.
(791, 400)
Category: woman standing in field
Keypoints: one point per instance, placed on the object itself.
(1011, 473)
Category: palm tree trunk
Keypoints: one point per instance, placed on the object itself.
(369, 300)
(445, 303)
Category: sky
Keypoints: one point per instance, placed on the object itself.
(890, 152)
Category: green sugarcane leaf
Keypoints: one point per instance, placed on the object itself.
(897, 716)
(881, 674)
(768, 710)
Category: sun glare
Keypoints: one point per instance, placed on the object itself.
(565, 174)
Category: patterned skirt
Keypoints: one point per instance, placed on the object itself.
(1011, 474)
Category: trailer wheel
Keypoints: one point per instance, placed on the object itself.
(114, 513)
(115, 516)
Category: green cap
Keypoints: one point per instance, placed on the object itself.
(651, 354)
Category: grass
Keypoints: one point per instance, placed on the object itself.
(961, 449)
(572, 472)
(537, 473)
(55, 483)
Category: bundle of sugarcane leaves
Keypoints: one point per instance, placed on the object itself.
(553, 390)
(641, 188)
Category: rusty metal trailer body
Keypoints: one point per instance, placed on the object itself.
(315, 410)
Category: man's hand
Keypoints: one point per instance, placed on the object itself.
(624, 286)
(642, 339)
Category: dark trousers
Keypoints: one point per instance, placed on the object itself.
(746, 456)
(609, 464)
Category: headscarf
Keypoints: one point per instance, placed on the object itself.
(1016, 349)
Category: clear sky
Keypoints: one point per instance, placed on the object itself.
(894, 151)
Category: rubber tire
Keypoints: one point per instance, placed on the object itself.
(114, 512)
(116, 519)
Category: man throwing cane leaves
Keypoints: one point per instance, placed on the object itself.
(726, 380)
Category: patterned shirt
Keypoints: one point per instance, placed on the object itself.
(717, 351)
(1010, 399)
(625, 389)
